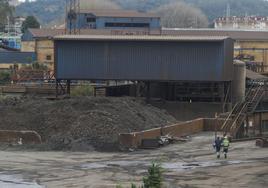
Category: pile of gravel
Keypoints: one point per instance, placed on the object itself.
(81, 123)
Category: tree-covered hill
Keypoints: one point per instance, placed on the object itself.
(48, 12)
(52, 11)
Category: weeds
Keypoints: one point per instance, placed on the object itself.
(85, 90)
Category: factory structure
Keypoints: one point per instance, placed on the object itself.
(250, 46)
(169, 61)
(190, 73)
(179, 69)
(244, 22)
(113, 19)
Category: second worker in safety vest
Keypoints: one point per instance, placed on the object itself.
(225, 145)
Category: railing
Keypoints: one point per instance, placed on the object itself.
(239, 112)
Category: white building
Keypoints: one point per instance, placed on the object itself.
(246, 22)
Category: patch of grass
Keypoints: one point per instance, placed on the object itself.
(85, 90)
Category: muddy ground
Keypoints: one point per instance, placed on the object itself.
(82, 123)
(187, 165)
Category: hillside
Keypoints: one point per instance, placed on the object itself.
(50, 12)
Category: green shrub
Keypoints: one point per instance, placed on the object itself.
(39, 66)
(155, 176)
(5, 77)
(85, 90)
(154, 179)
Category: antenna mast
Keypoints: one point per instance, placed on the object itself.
(72, 17)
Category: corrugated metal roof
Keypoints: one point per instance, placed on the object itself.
(7, 57)
(233, 33)
(46, 33)
(119, 13)
(140, 38)
(255, 76)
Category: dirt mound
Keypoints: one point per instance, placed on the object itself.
(81, 123)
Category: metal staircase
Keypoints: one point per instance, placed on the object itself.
(235, 120)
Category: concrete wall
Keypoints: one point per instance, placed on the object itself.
(40, 90)
(28, 46)
(45, 48)
(255, 122)
(212, 124)
(184, 111)
(9, 65)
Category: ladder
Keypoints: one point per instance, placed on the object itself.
(235, 120)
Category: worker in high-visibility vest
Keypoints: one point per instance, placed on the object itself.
(225, 144)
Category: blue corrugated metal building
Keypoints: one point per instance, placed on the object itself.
(184, 68)
(12, 56)
(151, 58)
(116, 19)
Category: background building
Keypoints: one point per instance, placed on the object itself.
(40, 41)
(250, 46)
(114, 19)
(10, 57)
(246, 22)
(14, 26)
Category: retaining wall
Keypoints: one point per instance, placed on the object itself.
(133, 140)
(20, 137)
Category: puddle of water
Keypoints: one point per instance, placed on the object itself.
(112, 164)
(182, 166)
(174, 166)
(187, 166)
(93, 166)
(12, 181)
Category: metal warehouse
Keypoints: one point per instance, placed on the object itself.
(179, 68)
(147, 58)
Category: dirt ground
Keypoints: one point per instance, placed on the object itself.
(187, 165)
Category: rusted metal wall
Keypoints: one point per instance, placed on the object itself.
(144, 60)
(134, 140)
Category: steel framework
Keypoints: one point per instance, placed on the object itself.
(72, 17)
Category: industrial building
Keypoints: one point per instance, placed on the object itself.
(244, 22)
(169, 67)
(250, 46)
(113, 19)
(39, 41)
(189, 71)
(10, 57)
